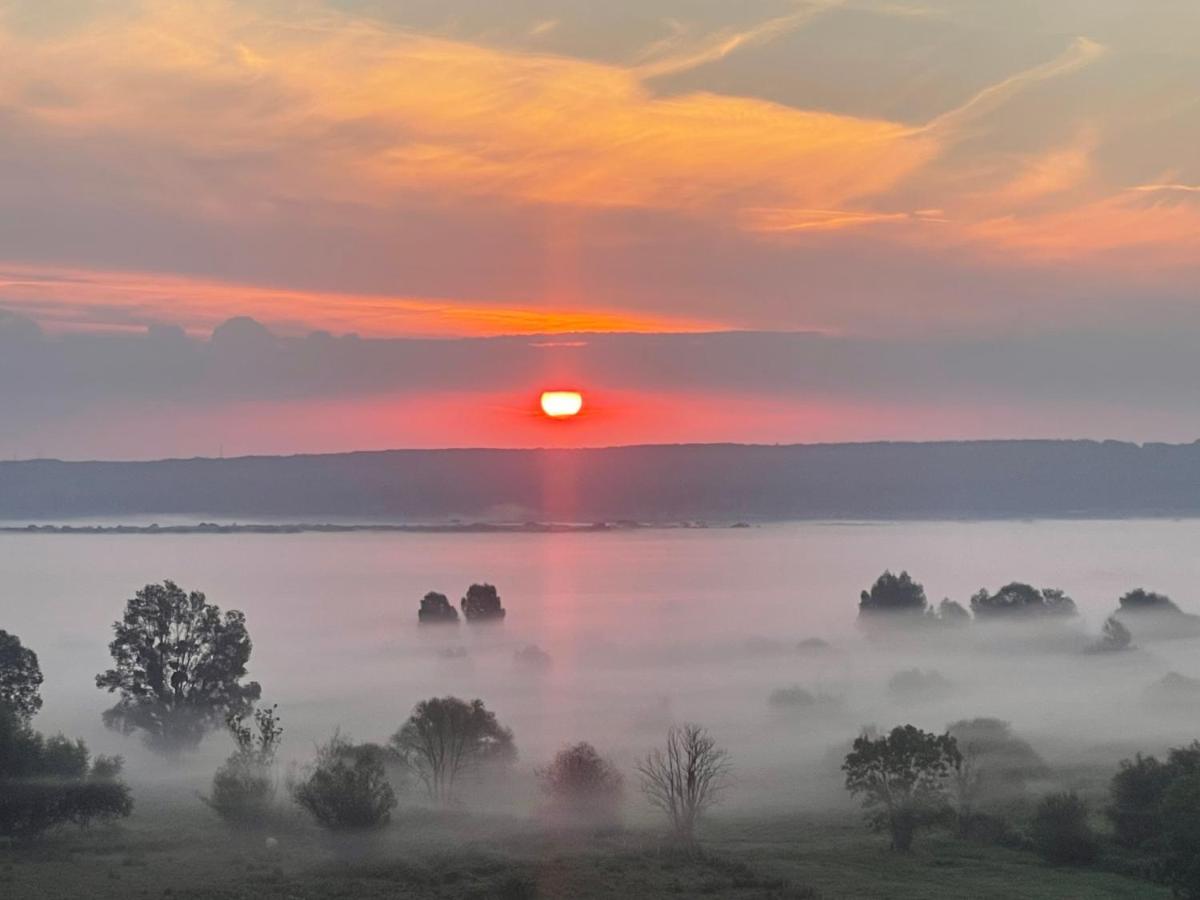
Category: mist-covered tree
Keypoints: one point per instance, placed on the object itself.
(582, 785)
(1018, 600)
(951, 612)
(1114, 637)
(437, 609)
(893, 596)
(685, 778)
(20, 677)
(1179, 826)
(1061, 833)
(482, 604)
(446, 737)
(346, 788)
(903, 780)
(1137, 790)
(243, 788)
(1139, 600)
(179, 668)
(49, 782)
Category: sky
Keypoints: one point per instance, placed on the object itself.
(269, 227)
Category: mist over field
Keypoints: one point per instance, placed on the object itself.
(640, 630)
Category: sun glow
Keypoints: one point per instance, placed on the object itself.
(561, 404)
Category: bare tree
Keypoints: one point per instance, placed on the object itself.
(686, 778)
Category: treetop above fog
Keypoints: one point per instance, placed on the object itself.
(1140, 600)
(1018, 599)
(482, 603)
(893, 594)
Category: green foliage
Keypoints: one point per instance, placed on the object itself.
(20, 677)
(346, 788)
(902, 779)
(582, 784)
(179, 668)
(445, 737)
(482, 604)
(1060, 831)
(243, 789)
(1179, 824)
(1018, 600)
(1137, 792)
(893, 594)
(49, 782)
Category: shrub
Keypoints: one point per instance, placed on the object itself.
(582, 784)
(49, 782)
(1137, 791)
(347, 786)
(1060, 831)
(1179, 823)
(243, 788)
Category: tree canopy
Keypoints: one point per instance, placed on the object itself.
(20, 677)
(895, 594)
(902, 779)
(1019, 600)
(445, 737)
(482, 603)
(179, 666)
(435, 609)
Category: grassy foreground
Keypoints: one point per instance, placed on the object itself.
(178, 850)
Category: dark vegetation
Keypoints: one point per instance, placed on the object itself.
(685, 778)
(482, 604)
(437, 609)
(582, 786)
(178, 668)
(243, 788)
(346, 788)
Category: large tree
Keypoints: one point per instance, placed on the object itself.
(446, 737)
(1017, 600)
(482, 604)
(902, 778)
(179, 668)
(20, 677)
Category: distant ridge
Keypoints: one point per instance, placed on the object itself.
(653, 483)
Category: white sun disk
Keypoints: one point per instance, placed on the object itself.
(561, 404)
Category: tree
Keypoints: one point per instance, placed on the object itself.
(893, 595)
(951, 612)
(1018, 600)
(482, 604)
(243, 789)
(1060, 831)
(446, 737)
(1137, 790)
(902, 779)
(179, 668)
(1179, 824)
(437, 609)
(49, 782)
(20, 677)
(685, 778)
(1139, 600)
(346, 788)
(582, 784)
(1114, 637)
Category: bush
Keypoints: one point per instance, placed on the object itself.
(1180, 831)
(1060, 831)
(1137, 791)
(49, 782)
(582, 784)
(243, 789)
(347, 787)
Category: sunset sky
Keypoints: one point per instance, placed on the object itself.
(759, 221)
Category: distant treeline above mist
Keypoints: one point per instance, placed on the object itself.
(719, 483)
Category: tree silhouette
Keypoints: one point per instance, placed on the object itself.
(482, 604)
(902, 779)
(436, 609)
(685, 778)
(1018, 600)
(445, 737)
(179, 668)
(893, 595)
(20, 677)
(582, 784)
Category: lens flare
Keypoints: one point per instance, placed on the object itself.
(561, 404)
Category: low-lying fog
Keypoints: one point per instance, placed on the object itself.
(638, 629)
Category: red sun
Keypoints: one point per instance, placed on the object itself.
(561, 404)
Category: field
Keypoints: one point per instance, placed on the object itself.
(171, 848)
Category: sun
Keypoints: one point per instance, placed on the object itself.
(561, 404)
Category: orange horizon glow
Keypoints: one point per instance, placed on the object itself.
(79, 299)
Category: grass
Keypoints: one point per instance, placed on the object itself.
(175, 849)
